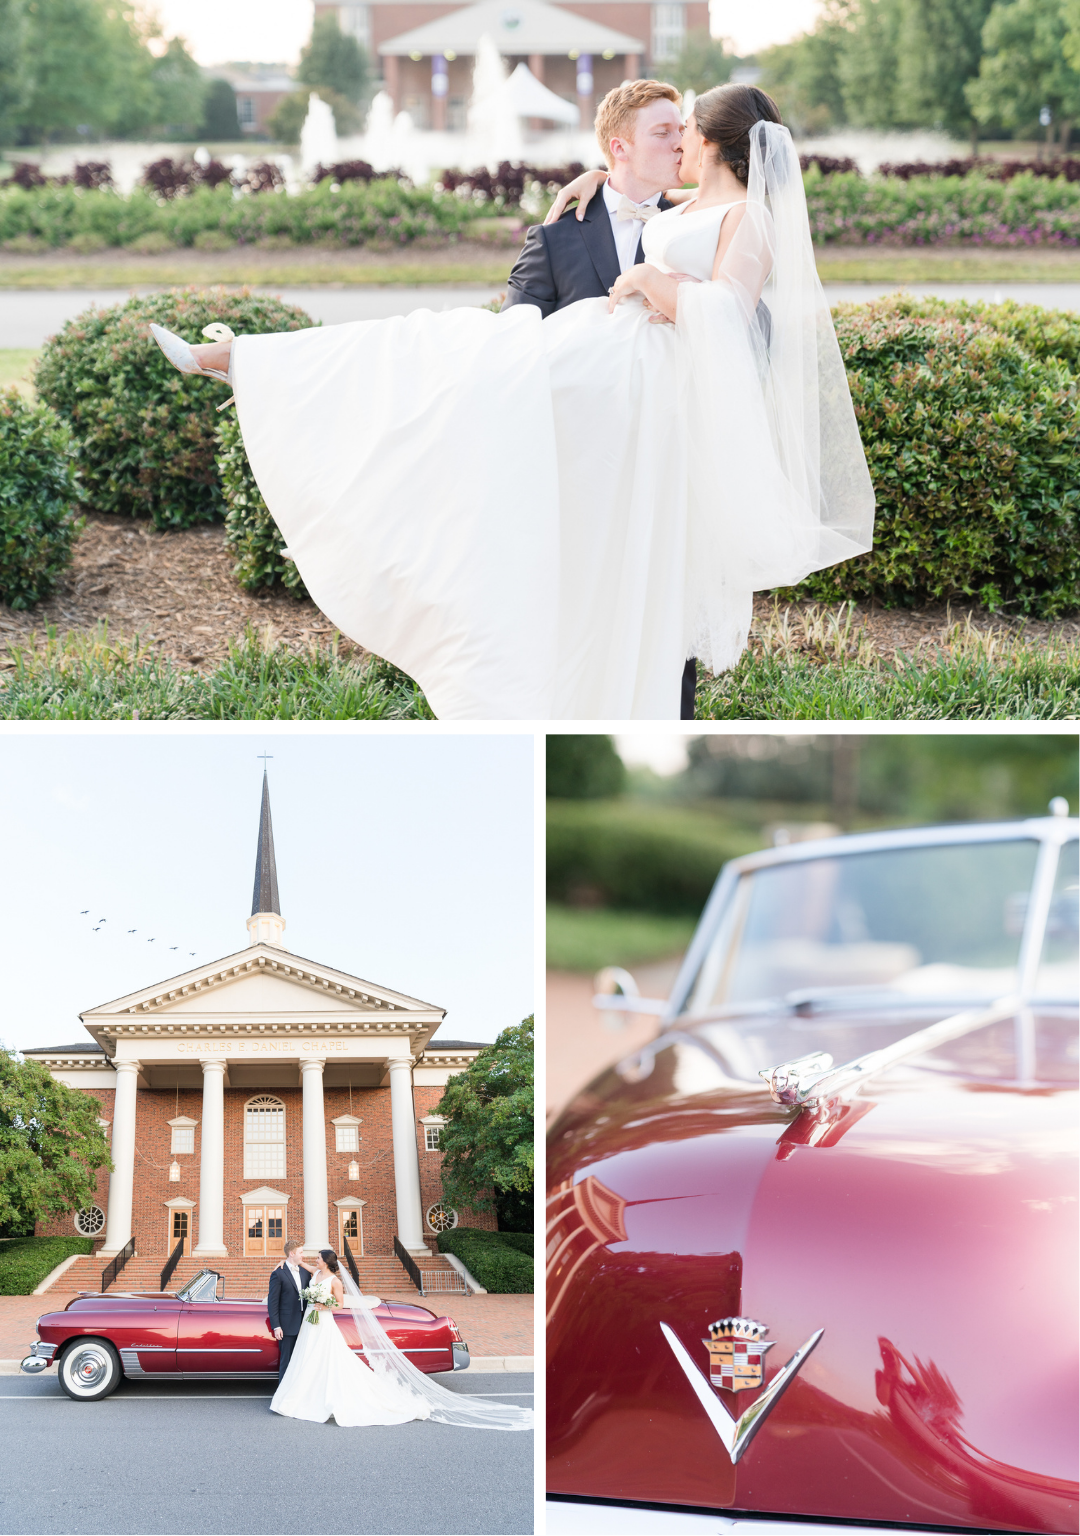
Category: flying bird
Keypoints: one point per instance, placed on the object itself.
(150, 941)
(101, 919)
(133, 930)
(174, 946)
(84, 911)
(97, 930)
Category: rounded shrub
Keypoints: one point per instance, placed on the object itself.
(38, 496)
(144, 434)
(970, 417)
(499, 1266)
(250, 531)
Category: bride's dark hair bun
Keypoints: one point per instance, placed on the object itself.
(329, 1258)
(726, 114)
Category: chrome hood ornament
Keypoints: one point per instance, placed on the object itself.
(737, 1349)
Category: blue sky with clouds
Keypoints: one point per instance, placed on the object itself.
(405, 858)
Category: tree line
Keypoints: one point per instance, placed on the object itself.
(86, 70)
(990, 68)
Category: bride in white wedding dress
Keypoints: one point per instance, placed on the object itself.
(326, 1380)
(543, 518)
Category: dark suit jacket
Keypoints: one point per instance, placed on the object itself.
(569, 260)
(283, 1303)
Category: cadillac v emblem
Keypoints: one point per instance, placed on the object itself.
(737, 1347)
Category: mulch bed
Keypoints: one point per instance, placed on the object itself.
(176, 591)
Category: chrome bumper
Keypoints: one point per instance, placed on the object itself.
(40, 1356)
(578, 1518)
(461, 1356)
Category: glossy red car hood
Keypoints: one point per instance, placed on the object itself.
(931, 1234)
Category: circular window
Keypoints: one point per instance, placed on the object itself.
(441, 1218)
(91, 1221)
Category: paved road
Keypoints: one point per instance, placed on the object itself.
(28, 316)
(176, 1459)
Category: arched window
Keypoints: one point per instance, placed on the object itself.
(264, 1138)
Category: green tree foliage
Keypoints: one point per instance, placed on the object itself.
(869, 63)
(333, 60)
(1029, 62)
(583, 768)
(219, 112)
(940, 50)
(1070, 46)
(804, 76)
(180, 91)
(488, 1137)
(51, 1145)
(14, 72)
(702, 63)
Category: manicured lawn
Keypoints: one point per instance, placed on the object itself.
(582, 939)
(947, 264)
(25, 1261)
(15, 366)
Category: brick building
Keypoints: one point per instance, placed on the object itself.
(263, 1096)
(579, 49)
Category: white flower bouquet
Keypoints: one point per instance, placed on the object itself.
(319, 1294)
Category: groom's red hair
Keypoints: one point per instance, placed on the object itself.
(615, 114)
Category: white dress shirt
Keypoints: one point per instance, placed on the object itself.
(627, 232)
(294, 1270)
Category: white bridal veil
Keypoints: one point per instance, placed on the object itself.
(447, 1407)
(771, 423)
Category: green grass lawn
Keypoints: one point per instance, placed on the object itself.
(583, 939)
(25, 1261)
(15, 366)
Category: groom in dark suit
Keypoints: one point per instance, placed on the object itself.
(639, 126)
(283, 1301)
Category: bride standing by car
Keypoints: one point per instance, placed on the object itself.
(326, 1380)
(544, 518)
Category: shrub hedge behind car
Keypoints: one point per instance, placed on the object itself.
(250, 531)
(38, 496)
(25, 1261)
(144, 433)
(970, 417)
(494, 1261)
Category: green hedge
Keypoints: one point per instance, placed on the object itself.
(498, 1264)
(634, 855)
(38, 494)
(145, 434)
(25, 1261)
(359, 213)
(250, 531)
(970, 417)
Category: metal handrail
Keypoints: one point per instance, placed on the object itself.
(351, 1262)
(412, 1269)
(111, 1271)
(170, 1264)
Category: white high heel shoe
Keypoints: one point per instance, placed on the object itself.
(179, 353)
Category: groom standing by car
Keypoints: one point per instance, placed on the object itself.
(283, 1301)
(639, 126)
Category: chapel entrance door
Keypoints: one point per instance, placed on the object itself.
(180, 1227)
(352, 1227)
(264, 1231)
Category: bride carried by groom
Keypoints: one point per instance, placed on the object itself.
(319, 1376)
(542, 514)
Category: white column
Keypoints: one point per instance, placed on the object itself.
(212, 1163)
(316, 1229)
(118, 1223)
(410, 1220)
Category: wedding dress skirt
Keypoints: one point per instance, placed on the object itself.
(326, 1380)
(537, 518)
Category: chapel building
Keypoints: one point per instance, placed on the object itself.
(264, 1096)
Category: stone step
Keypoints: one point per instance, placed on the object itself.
(380, 1272)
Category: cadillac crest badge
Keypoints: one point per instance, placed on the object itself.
(737, 1348)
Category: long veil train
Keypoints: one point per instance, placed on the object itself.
(446, 1407)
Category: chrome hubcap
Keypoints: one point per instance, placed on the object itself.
(88, 1368)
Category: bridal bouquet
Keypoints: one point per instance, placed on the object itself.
(319, 1293)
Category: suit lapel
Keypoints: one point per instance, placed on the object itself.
(639, 255)
(600, 242)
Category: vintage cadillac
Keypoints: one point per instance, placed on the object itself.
(196, 1334)
(812, 1252)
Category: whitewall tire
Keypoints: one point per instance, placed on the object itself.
(90, 1370)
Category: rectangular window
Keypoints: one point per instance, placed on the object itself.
(245, 111)
(347, 1138)
(431, 1138)
(668, 31)
(355, 21)
(183, 1138)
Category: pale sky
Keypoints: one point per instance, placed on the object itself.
(274, 31)
(405, 859)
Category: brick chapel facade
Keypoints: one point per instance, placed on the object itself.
(265, 1096)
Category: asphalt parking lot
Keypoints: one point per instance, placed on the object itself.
(210, 1458)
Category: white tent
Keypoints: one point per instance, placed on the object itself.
(530, 98)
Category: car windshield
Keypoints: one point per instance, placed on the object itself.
(202, 1287)
(938, 922)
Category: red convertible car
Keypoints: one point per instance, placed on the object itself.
(193, 1335)
(812, 1251)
